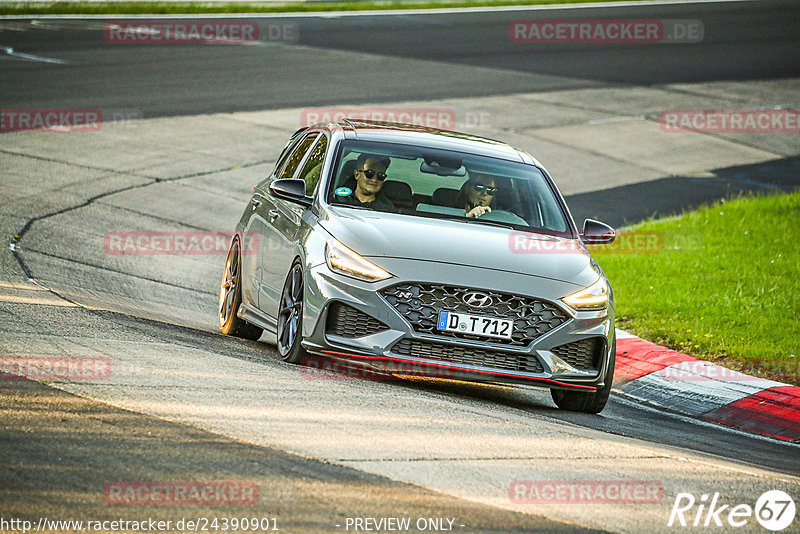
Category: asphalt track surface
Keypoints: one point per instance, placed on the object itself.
(352, 60)
(347, 59)
(298, 494)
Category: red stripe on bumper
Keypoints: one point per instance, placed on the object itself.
(362, 357)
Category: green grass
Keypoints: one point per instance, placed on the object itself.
(724, 287)
(192, 8)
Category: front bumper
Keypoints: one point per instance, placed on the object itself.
(390, 341)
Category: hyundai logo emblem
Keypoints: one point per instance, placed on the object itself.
(476, 299)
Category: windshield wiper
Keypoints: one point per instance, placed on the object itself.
(354, 207)
(488, 222)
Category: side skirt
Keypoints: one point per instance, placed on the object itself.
(258, 318)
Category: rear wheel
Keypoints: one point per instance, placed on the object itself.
(230, 298)
(290, 317)
(587, 402)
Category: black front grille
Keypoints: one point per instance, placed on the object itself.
(469, 355)
(585, 354)
(346, 321)
(420, 305)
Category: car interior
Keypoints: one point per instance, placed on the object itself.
(425, 186)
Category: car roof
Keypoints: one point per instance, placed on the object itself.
(410, 134)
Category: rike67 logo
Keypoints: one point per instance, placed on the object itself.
(774, 510)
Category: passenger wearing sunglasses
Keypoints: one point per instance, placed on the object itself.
(369, 174)
(477, 195)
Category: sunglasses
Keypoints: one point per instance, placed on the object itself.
(370, 174)
(481, 187)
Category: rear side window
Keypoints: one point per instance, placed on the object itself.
(287, 150)
(297, 156)
(313, 167)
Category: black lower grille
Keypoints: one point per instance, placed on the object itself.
(346, 321)
(585, 354)
(469, 355)
(421, 303)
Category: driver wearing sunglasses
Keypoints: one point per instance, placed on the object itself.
(477, 195)
(370, 173)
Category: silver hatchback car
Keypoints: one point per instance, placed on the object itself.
(409, 248)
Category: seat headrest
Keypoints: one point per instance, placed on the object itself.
(444, 196)
(394, 189)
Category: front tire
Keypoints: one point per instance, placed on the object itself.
(230, 298)
(290, 317)
(594, 402)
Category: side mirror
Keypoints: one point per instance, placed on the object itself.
(597, 233)
(291, 189)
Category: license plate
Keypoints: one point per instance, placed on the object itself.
(477, 325)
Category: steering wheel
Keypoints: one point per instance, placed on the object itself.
(504, 216)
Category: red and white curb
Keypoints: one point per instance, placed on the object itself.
(681, 383)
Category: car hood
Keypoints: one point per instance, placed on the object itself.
(377, 234)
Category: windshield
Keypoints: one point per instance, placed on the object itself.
(427, 182)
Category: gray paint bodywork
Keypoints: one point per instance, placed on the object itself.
(415, 249)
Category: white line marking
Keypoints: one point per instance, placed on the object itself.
(10, 51)
(55, 301)
(12, 28)
(30, 286)
(621, 118)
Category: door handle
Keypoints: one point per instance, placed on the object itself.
(255, 202)
(273, 214)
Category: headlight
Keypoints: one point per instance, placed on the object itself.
(594, 297)
(344, 261)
